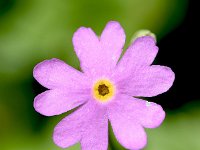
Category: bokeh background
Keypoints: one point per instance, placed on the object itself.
(34, 30)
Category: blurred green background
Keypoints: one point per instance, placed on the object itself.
(34, 30)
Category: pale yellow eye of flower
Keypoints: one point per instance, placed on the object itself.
(103, 90)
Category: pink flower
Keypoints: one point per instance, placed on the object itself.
(105, 90)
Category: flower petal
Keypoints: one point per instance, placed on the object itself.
(55, 73)
(130, 135)
(112, 41)
(148, 114)
(87, 48)
(99, 56)
(95, 134)
(68, 131)
(148, 81)
(151, 115)
(55, 102)
(126, 127)
(88, 124)
(141, 53)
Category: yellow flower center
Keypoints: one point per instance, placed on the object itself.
(103, 90)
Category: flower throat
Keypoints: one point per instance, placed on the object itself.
(103, 90)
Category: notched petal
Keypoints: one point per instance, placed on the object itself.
(148, 81)
(55, 73)
(55, 102)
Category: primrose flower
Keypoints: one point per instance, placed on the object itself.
(107, 89)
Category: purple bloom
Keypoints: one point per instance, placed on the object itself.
(105, 90)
